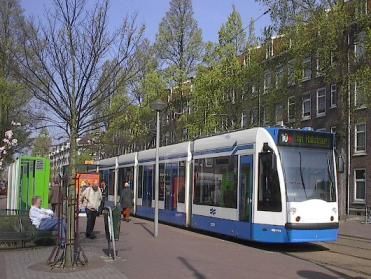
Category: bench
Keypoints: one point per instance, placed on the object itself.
(16, 228)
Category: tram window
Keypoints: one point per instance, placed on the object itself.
(181, 182)
(269, 193)
(140, 182)
(162, 177)
(216, 181)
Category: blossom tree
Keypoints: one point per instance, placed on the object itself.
(8, 143)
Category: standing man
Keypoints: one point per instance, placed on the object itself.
(92, 197)
(126, 201)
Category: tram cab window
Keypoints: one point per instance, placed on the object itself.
(269, 193)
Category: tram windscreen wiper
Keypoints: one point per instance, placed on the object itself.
(301, 176)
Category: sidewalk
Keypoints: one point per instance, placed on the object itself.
(176, 253)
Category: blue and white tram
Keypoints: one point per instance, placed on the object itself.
(269, 185)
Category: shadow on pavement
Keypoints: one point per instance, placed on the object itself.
(319, 275)
(271, 247)
(144, 226)
(196, 273)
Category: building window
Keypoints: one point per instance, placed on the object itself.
(332, 58)
(360, 185)
(244, 120)
(267, 81)
(306, 107)
(307, 69)
(360, 8)
(359, 95)
(360, 138)
(279, 113)
(269, 50)
(254, 90)
(321, 102)
(319, 66)
(359, 46)
(254, 117)
(291, 73)
(333, 96)
(264, 115)
(291, 109)
(279, 76)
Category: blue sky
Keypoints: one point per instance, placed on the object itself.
(210, 14)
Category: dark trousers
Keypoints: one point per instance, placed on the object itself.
(90, 223)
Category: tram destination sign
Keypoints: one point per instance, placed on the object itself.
(305, 139)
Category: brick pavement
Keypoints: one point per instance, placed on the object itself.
(177, 253)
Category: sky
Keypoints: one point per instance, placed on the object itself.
(210, 14)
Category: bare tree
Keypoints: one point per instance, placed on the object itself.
(72, 64)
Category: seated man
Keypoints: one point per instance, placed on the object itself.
(43, 219)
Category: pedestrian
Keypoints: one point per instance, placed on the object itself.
(92, 198)
(55, 195)
(104, 190)
(126, 201)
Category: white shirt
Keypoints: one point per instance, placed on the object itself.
(92, 198)
(37, 214)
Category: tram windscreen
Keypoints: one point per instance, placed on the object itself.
(309, 174)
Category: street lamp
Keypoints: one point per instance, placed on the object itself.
(158, 106)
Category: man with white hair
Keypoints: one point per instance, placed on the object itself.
(93, 197)
(43, 219)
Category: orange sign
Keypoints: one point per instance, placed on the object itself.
(85, 180)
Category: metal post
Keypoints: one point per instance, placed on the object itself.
(116, 182)
(157, 176)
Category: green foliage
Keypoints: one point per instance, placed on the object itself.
(42, 144)
(179, 40)
(223, 85)
(232, 33)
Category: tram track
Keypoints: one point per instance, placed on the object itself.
(350, 254)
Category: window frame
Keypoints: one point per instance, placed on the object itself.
(267, 85)
(355, 180)
(322, 113)
(307, 60)
(356, 151)
(290, 120)
(356, 91)
(306, 98)
(333, 95)
(291, 72)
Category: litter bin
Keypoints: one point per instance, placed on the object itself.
(116, 222)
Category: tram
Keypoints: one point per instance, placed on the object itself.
(270, 185)
(27, 177)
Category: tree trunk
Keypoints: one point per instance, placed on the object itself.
(71, 197)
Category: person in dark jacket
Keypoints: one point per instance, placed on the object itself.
(104, 190)
(126, 201)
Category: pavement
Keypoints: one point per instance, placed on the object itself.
(179, 253)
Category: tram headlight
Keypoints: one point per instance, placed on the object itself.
(297, 219)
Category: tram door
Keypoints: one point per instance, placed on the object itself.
(246, 186)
